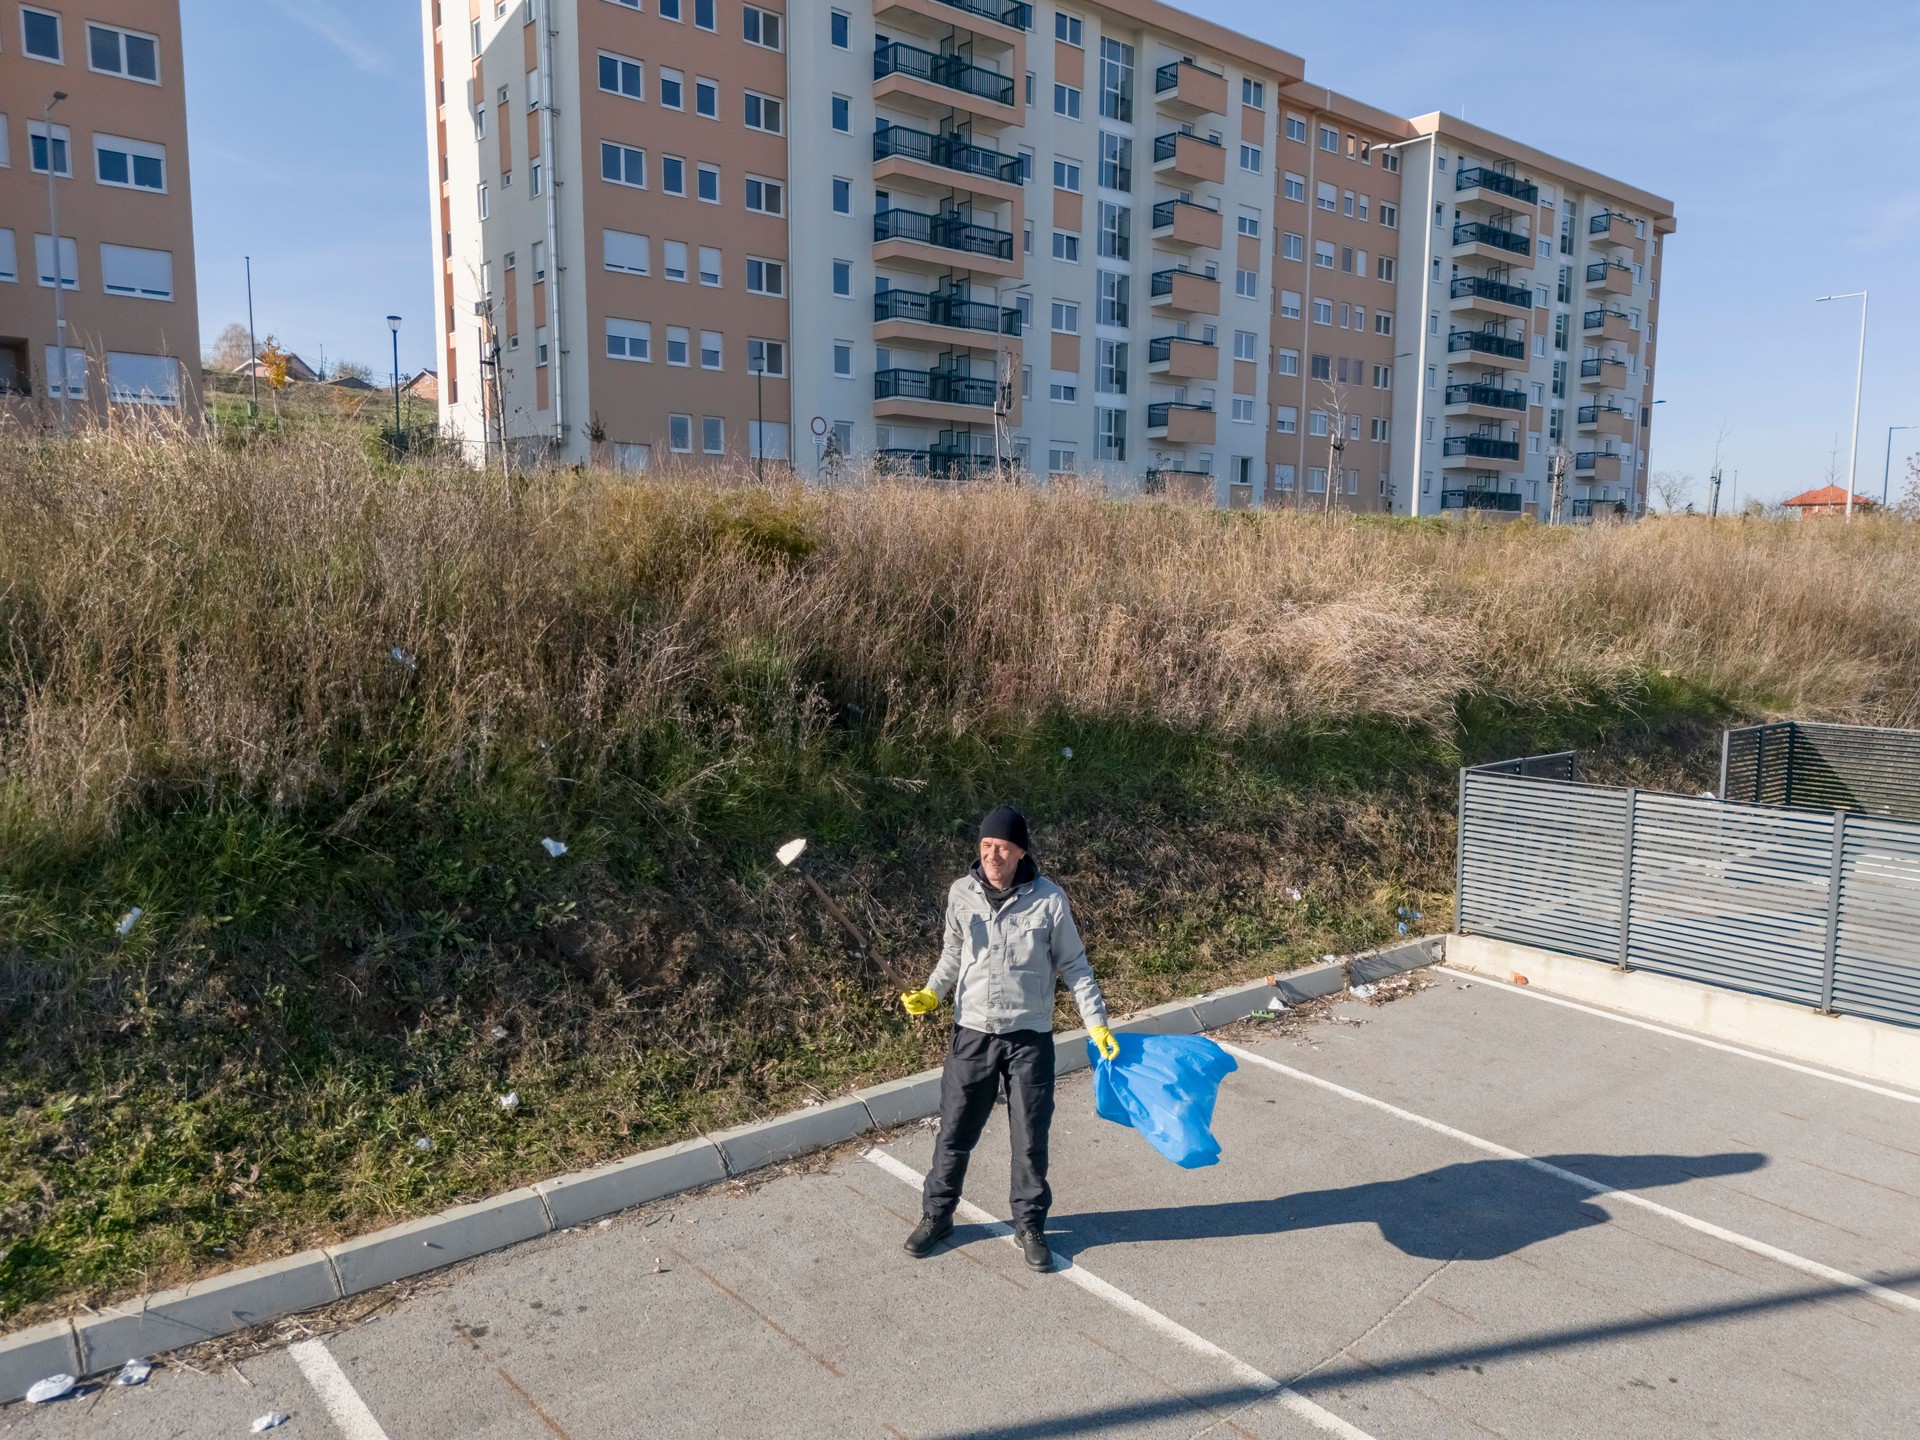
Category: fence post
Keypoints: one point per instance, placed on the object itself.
(1833, 911)
(1726, 737)
(1626, 877)
(1460, 855)
(1793, 744)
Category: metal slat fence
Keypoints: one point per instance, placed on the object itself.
(1823, 767)
(1819, 909)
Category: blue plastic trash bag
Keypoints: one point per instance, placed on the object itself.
(1164, 1087)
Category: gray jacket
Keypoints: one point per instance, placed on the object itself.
(1002, 967)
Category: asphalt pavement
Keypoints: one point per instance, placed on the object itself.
(1471, 1213)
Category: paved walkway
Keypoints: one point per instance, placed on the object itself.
(1476, 1213)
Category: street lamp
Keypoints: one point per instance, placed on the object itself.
(1859, 374)
(59, 270)
(393, 324)
(1886, 470)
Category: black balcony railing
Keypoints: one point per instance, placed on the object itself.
(1593, 369)
(1482, 342)
(952, 72)
(1486, 447)
(1480, 287)
(1479, 177)
(1164, 146)
(949, 231)
(1479, 500)
(1583, 508)
(953, 310)
(1157, 413)
(1590, 414)
(913, 462)
(1597, 271)
(1017, 13)
(1595, 319)
(1164, 212)
(940, 386)
(1167, 77)
(1477, 232)
(1585, 459)
(1603, 222)
(1163, 280)
(1160, 347)
(951, 151)
(1491, 395)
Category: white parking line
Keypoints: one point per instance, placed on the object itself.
(343, 1403)
(1532, 994)
(1705, 1227)
(1293, 1401)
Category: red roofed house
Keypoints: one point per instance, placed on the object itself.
(1828, 500)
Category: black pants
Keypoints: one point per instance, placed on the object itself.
(976, 1066)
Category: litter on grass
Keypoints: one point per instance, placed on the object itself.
(401, 657)
(134, 1372)
(790, 852)
(1067, 750)
(499, 1032)
(425, 1142)
(128, 921)
(555, 848)
(272, 1420)
(51, 1388)
(509, 1102)
(1294, 896)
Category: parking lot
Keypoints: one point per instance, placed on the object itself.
(1469, 1212)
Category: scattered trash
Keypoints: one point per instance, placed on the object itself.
(1276, 1005)
(499, 1032)
(1403, 927)
(272, 1420)
(1364, 992)
(134, 1372)
(1406, 914)
(128, 921)
(604, 1223)
(1067, 750)
(400, 657)
(555, 848)
(509, 1102)
(51, 1388)
(1329, 959)
(1708, 795)
(790, 852)
(542, 744)
(1518, 978)
(425, 1142)
(1294, 896)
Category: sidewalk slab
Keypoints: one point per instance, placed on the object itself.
(900, 1102)
(1176, 1017)
(591, 1194)
(218, 1305)
(1396, 959)
(422, 1245)
(766, 1142)
(31, 1355)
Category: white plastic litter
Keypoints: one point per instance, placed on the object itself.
(1403, 927)
(499, 1032)
(1067, 750)
(272, 1420)
(790, 852)
(129, 920)
(134, 1372)
(555, 848)
(51, 1388)
(1276, 1004)
(425, 1142)
(1364, 992)
(401, 657)
(509, 1102)
(1294, 896)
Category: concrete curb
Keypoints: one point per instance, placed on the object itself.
(222, 1304)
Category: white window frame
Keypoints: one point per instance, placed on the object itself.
(59, 31)
(136, 256)
(681, 336)
(60, 136)
(750, 99)
(714, 343)
(122, 34)
(121, 392)
(621, 62)
(779, 189)
(639, 260)
(626, 166)
(636, 341)
(713, 275)
(776, 268)
(748, 14)
(666, 76)
(1066, 101)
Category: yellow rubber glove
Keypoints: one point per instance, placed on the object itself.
(1103, 1040)
(919, 1002)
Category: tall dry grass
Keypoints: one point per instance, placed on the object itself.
(182, 619)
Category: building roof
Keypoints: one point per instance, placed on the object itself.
(1834, 495)
(1459, 132)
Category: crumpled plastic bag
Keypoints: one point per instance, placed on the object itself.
(1164, 1086)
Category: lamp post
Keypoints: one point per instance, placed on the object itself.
(59, 270)
(760, 416)
(1859, 375)
(1415, 474)
(393, 324)
(1886, 470)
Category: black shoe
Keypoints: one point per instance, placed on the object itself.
(1034, 1246)
(931, 1230)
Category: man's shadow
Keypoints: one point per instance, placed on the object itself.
(1476, 1210)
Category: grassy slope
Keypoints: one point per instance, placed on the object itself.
(335, 932)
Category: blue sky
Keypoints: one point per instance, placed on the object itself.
(1788, 136)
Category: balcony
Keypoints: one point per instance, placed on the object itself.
(1491, 242)
(1181, 222)
(1181, 87)
(1488, 400)
(900, 460)
(1190, 157)
(1175, 484)
(1611, 228)
(1502, 351)
(1492, 297)
(1186, 292)
(1605, 372)
(1004, 20)
(1476, 184)
(1179, 358)
(899, 151)
(1180, 423)
(905, 74)
(912, 235)
(1610, 277)
(930, 318)
(1605, 420)
(1480, 500)
(1597, 467)
(1606, 324)
(1479, 452)
(961, 455)
(933, 395)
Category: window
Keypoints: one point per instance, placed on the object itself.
(1297, 128)
(1327, 196)
(50, 148)
(673, 175)
(1383, 267)
(123, 52)
(1253, 93)
(538, 178)
(706, 98)
(1066, 176)
(1064, 388)
(622, 165)
(1113, 240)
(842, 114)
(1245, 345)
(1026, 237)
(1546, 248)
(769, 197)
(843, 278)
(1066, 246)
(1111, 304)
(76, 368)
(1286, 362)
(1066, 318)
(480, 123)
(1242, 412)
(69, 261)
(709, 266)
(481, 201)
(1250, 159)
(843, 359)
(762, 112)
(1346, 259)
(839, 30)
(618, 76)
(1378, 430)
(676, 261)
(1323, 312)
(1323, 254)
(679, 346)
(1282, 477)
(710, 350)
(1293, 247)
(629, 340)
(766, 277)
(1110, 434)
(1110, 367)
(703, 14)
(131, 164)
(630, 459)
(143, 379)
(760, 27)
(1346, 203)
(1249, 222)
(1289, 304)
(766, 357)
(40, 35)
(1321, 367)
(539, 261)
(1316, 480)
(1246, 284)
(1383, 377)
(1296, 187)
(709, 184)
(9, 259)
(679, 427)
(1286, 419)
(1116, 80)
(1383, 322)
(1066, 27)
(1066, 101)
(1060, 459)
(1330, 139)
(1116, 161)
(1389, 217)
(673, 89)
(1390, 161)
(126, 270)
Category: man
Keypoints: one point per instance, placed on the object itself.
(1010, 939)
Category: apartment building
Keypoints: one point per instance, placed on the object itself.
(1108, 238)
(93, 110)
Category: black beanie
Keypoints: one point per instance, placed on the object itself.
(1003, 822)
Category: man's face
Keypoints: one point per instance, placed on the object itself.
(998, 860)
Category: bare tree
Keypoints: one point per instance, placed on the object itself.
(352, 370)
(1673, 488)
(1909, 502)
(230, 349)
(1559, 466)
(1337, 416)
